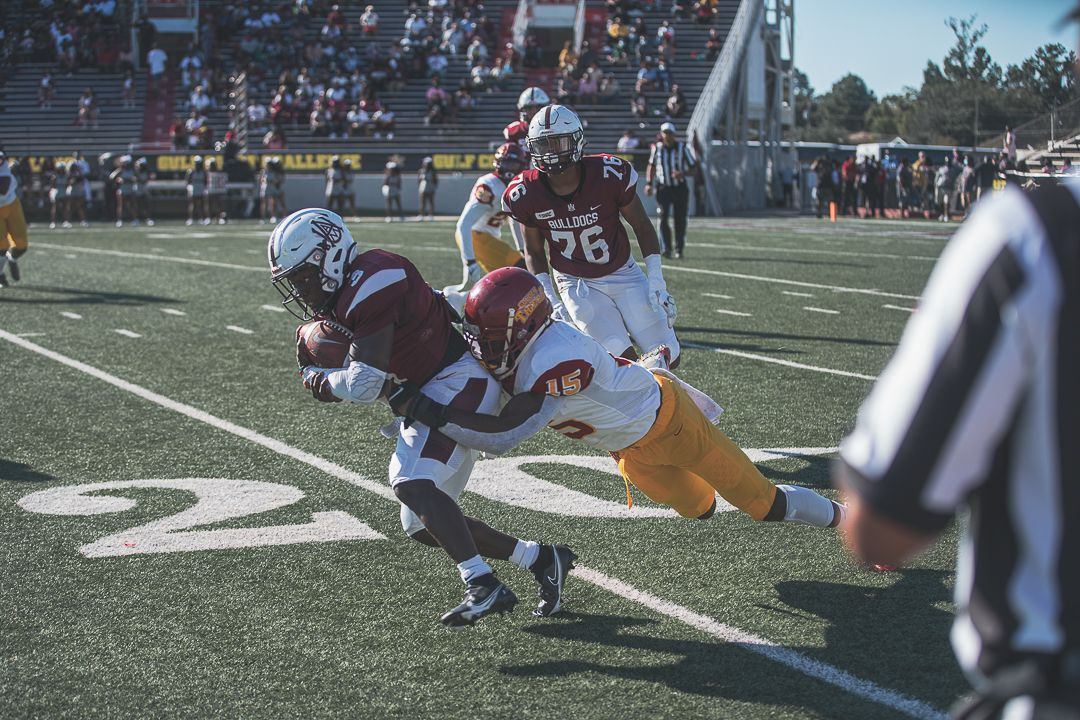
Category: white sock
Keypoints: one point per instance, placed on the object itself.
(525, 553)
(806, 506)
(474, 567)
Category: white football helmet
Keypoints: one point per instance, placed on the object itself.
(530, 100)
(308, 253)
(556, 139)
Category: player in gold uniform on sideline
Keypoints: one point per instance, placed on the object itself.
(13, 235)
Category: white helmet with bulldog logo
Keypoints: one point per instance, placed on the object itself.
(308, 253)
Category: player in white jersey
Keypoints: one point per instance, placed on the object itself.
(479, 227)
(658, 428)
(13, 234)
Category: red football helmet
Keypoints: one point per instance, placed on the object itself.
(509, 161)
(503, 313)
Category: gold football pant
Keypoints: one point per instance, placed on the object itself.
(684, 458)
(491, 252)
(12, 227)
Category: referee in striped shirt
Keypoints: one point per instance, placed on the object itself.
(669, 162)
(979, 411)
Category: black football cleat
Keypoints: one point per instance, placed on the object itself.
(551, 576)
(14, 268)
(483, 596)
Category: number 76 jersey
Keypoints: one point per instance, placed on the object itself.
(584, 231)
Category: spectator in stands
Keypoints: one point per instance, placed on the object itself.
(679, 8)
(437, 103)
(157, 61)
(274, 139)
(501, 74)
(639, 106)
(391, 190)
(567, 58)
(703, 12)
(629, 141)
(385, 122)
(146, 31)
(609, 88)
(533, 51)
(665, 33)
(199, 100)
(646, 77)
(257, 116)
(478, 77)
(713, 44)
(46, 91)
(88, 109)
(665, 52)
(586, 58)
(663, 76)
(589, 85)
(369, 21)
(477, 53)
(463, 97)
(127, 92)
(428, 179)
(190, 67)
(453, 39)
(436, 64)
(676, 103)
(178, 133)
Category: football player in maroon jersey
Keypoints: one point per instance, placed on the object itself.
(574, 205)
(402, 338)
(530, 101)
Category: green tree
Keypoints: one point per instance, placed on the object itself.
(845, 105)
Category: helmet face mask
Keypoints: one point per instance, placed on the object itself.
(308, 253)
(556, 139)
(509, 160)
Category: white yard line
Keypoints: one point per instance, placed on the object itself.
(732, 312)
(796, 294)
(898, 307)
(31, 334)
(127, 333)
(808, 666)
(717, 295)
(797, 283)
(238, 329)
(159, 258)
(778, 361)
(821, 310)
(812, 251)
(273, 308)
(173, 311)
(71, 315)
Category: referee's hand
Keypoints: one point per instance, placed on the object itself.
(648, 189)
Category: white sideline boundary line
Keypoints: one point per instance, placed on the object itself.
(779, 361)
(815, 251)
(149, 256)
(238, 329)
(797, 283)
(127, 333)
(736, 313)
(785, 656)
(796, 294)
(827, 311)
(253, 268)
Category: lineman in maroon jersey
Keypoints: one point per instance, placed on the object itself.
(573, 205)
(402, 338)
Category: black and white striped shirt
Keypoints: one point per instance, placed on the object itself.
(980, 409)
(666, 160)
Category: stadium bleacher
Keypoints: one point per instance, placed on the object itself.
(26, 128)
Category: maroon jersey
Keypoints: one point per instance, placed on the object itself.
(585, 235)
(382, 289)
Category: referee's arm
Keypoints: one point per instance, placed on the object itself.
(926, 435)
(650, 172)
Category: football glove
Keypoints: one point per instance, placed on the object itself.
(316, 381)
(661, 300)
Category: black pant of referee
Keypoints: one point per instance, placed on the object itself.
(673, 199)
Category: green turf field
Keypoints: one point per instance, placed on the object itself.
(186, 533)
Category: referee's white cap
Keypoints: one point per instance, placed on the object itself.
(668, 127)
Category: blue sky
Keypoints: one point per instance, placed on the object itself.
(888, 43)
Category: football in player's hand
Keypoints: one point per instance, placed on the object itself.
(323, 343)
